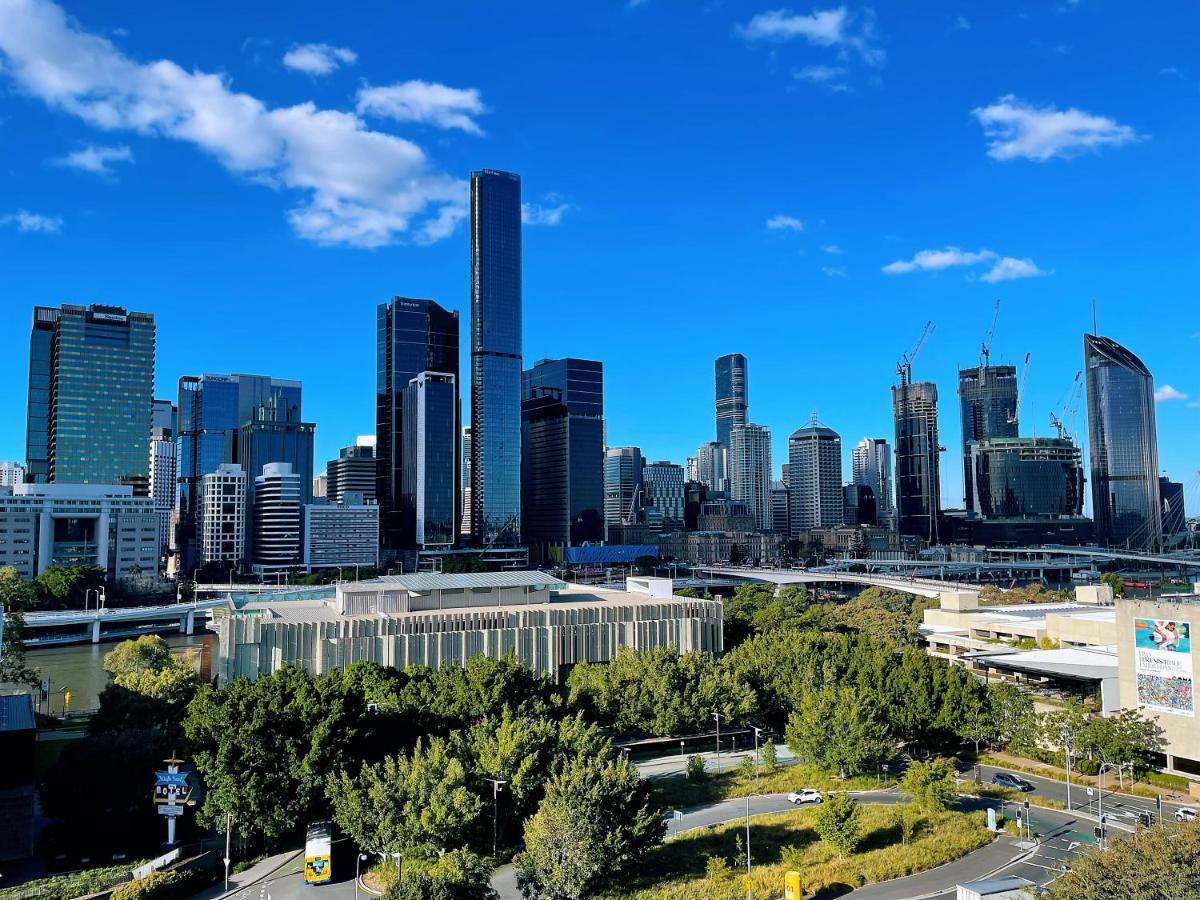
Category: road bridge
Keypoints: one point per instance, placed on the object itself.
(79, 626)
(1184, 558)
(921, 587)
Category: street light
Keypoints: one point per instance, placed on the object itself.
(496, 783)
(749, 888)
(357, 869)
(87, 594)
(757, 735)
(717, 716)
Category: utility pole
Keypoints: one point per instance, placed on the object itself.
(717, 716)
(496, 783)
(757, 734)
(228, 857)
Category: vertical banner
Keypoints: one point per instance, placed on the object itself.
(1163, 663)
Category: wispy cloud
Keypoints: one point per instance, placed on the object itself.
(829, 77)
(549, 211)
(424, 102)
(832, 249)
(95, 159)
(1166, 394)
(23, 220)
(961, 23)
(780, 222)
(355, 186)
(1018, 130)
(318, 59)
(834, 271)
(1001, 268)
(836, 27)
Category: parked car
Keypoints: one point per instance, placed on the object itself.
(805, 795)
(1185, 814)
(1004, 779)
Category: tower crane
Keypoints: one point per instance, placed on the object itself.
(985, 349)
(1064, 422)
(904, 366)
(1016, 414)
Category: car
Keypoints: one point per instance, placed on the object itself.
(1185, 814)
(1004, 779)
(806, 795)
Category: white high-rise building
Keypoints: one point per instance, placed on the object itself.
(11, 473)
(163, 488)
(278, 517)
(665, 483)
(815, 477)
(750, 471)
(221, 515)
(871, 465)
(622, 485)
(710, 465)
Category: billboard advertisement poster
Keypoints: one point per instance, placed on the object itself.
(1163, 663)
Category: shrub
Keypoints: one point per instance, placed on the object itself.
(160, 885)
(695, 768)
(769, 756)
(718, 869)
(839, 823)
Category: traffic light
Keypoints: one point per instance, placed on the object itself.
(1098, 832)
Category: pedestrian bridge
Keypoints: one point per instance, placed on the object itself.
(921, 587)
(80, 626)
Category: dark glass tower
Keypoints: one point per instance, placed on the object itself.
(988, 395)
(918, 470)
(411, 337)
(274, 434)
(545, 472)
(495, 358)
(37, 428)
(101, 391)
(1026, 478)
(429, 469)
(731, 389)
(578, 387)
(1123, 442)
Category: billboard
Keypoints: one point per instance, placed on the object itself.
(1163, 664)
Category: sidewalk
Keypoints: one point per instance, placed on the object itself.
(261, 870)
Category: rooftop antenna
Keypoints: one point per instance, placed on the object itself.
(1095, 327)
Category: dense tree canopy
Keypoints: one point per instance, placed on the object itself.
(1164, 865)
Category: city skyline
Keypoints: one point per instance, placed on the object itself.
(774, 249)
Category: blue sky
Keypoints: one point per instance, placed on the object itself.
(806, 185)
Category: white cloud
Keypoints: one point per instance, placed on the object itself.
(834, 271)
(95, 159)
(421, 101)
(1166, 393)
(781, 222)
(1017, 130)
(1008, 268)
(832, 249)
(549, 212)
(318, 59)
(821, 74)
(825, 28)
(935, 260)
(962, 23)
(23, 220)
(357, 186)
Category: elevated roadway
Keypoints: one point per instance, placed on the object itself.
(921, 587)
(78, 626)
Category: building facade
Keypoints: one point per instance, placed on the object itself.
(665, 491)
(815, 477)
(871, 466)
(918, 464)
(1026, 478)
(988, 403)
(354, 470)
(11, 473)
(545, 473)
(274, 435)
(37, 422)
(495, 358)
(343, 534)
(1174, 516)
(732, 390)
(623, 486)
(221, 516)
(1123, 444)
(781, 519)
(430, 465)
(750, 471)
(710, 465)
(278, 511)
(163, 487)
(464, 527)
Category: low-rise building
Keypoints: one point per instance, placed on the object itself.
(438, 620)
(714, 548)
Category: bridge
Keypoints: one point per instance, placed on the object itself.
(1188, 558)
(921, 587)
(79, 626)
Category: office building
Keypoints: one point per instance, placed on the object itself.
(354, 470)
(274, 435)
(429, 468)
(495, 358)
(11, 473)
(692, 468)
(279, 497)
(623, 487)
(59, 524)
(320, 486)
(710, 465)
(780, 516)
(725, 515)
(858, 505)
(580, 386)
(871, 466)
(163, 487)
(988, 401)
(464, 526)
(412, 336)
(1174, 516)
(694, 495)
(343, 534)
(1026, 478)
(98, 383)
(211, 409)
(1123, 445)
(545, 473)
(221, 516)
(815, 477)
(918, 465)
(664, 490)
(716, 548)
(750, 471)
(731, 394)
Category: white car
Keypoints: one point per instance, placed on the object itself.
(805, 795)
(1185, 814)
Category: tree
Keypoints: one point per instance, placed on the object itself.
(839, 730)
(930, 784)
(1126, 739)
(839, 823)
(517, 750)
(1114, 581)
(1012, 716)
(769, 756)
(66, 587)
(457, 875)
(977, 726)
(146, 653)
(16, 594)
(1064, 729)
(695, 768)
(13, 668)
(1162, 864)
(595, 823)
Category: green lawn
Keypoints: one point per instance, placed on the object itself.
(680, 868)
(677, 792)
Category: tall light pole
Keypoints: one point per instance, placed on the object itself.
(717, 716)
(749, 889)
(228, 858)
(87, 594)
(757, 735)
(496, 783)
(357, 869)
(1100, 794)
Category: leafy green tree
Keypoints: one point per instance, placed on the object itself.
(748, 600)
(839, 730)
(595, 823)
(13, 668)
(66, 587)
(930, 784)
(457, 875)
(517, 750)
(976, 725)
(146, 653)
(769, 756)
(1064, 730)
(839, 823)
(16, 594)
(1163, 864)
(695, 768)
(1126, 739)
(882, 615)
(1115, 581)
(1012, 715)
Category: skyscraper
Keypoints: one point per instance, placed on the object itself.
(1174, 515)
(988, 398)
(1026, 478)
(430, 466)
(871, 466)
(464, 525)
(412, 336)
(354, 470)
(710, 465)
(100, 387)
(750, 471)
(278, 514)
(221, 515)
(545, 472)
(731, 392)
(918, 466)
(163, 469)
(814, 477)
(664, 486)
(11, 473)
(495, 358)
(622, 486)
(274, 435)
(1126, 503)
(37, 424)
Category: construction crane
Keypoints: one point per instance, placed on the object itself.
(1064, 422)
(904, 367)
(985, 349)
(1016, 413)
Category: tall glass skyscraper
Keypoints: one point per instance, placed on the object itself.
(1126, 504)
(731, 391)
(622, 486)
(495, 358)
(37, 427)
(918, 465)
(411, 337)
(988, 395)
(429, 470)
(100, 391)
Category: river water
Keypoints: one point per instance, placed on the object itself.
(79, 668)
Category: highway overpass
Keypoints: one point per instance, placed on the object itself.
(80, 626)
(1184, 559)
(921, 587)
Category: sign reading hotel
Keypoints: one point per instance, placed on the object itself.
(1163, 663)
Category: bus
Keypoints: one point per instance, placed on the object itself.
(318, 847)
